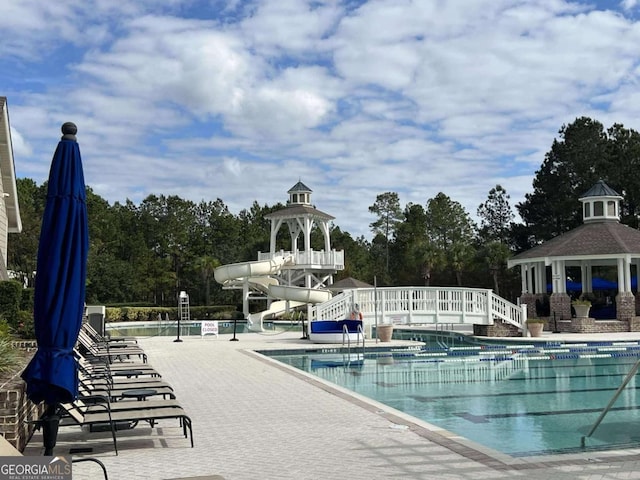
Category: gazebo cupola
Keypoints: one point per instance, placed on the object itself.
(601, 203)
(299, 194)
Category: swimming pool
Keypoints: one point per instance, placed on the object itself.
(520, 400)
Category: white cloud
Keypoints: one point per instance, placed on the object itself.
(234, 166)
(240, 99)
(20, 147)
(291, 27)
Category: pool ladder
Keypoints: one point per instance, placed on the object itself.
(347, 339)
(626, 380)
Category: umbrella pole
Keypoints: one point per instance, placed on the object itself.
(50, 423)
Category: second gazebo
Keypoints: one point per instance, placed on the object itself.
(600, 241)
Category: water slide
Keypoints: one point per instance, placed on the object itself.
(238, 271)
(257, 276)
(254, 320)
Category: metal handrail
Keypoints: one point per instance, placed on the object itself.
(345, 332)
(626, 380)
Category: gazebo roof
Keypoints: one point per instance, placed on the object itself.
(348, 283)
(296, 210)
(300, 187)
(601, 189)
(601, 239)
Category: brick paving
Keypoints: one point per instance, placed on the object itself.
(255, 420)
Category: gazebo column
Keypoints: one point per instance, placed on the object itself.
(525, 278)
(586, 277)
(540, 282)
(625, 301)
(534, 286)
(527, 297)
(324, 226)
(541, 279)
(275, 226)
(559, 302)
(308, 225)
(636, 262)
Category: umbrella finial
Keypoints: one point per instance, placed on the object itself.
(69, 131)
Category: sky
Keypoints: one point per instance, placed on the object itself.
(239, 100)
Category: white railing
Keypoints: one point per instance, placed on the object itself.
(414, 305)
(508, 312)
(320, 258)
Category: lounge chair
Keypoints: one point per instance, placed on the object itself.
(88, 348)
(98, 338)
(116, 391)
(124, 378)
(127, 370)
(85, 392)
(97, 403)
(82, 416)
(102, 364)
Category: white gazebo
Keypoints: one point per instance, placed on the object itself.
(600, 241)
(310, 268)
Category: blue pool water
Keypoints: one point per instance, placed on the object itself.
(518, 400)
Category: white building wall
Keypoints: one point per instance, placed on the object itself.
(4, 234)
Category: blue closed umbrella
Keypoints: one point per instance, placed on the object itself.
(52, 374)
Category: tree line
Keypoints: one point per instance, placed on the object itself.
(147, 253)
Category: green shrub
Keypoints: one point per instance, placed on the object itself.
(213, 312)
(25, 327)
(5, 329)
(535, 320)
(10, 295)
(26, 300)
(150, 314)
(225, 315)
(137, 314)
(10, 358)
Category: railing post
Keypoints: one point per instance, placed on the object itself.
(410, 296)
(523, 317)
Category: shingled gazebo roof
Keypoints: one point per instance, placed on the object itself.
(348, 283)
(587, 241)
(602, 239)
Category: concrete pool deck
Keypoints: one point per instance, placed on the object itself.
(254, 419)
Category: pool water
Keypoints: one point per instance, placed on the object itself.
(518, 400)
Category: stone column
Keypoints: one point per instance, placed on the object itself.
(560, 305)
(625, 306)
(529, 299)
